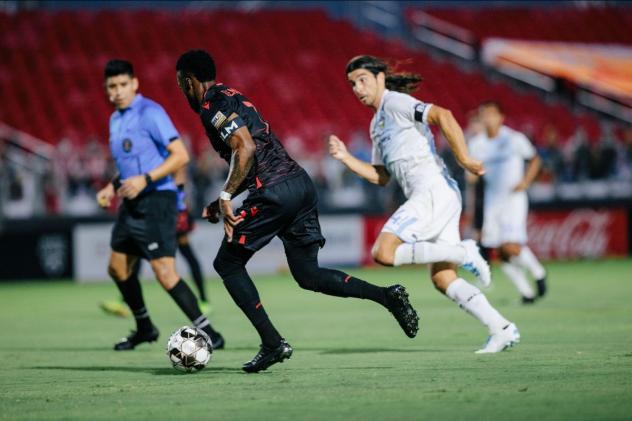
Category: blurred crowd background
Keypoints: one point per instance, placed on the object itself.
(53, 130)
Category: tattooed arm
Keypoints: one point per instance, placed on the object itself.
(241, 162)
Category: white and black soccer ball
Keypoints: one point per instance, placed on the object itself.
(189, 349)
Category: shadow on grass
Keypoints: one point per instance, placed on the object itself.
(57, 349)
(151, 370)
(342, 351)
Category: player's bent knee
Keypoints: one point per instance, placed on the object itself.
(165, 271)
(222, 267)
(116, 273)
(306, 279)
(382, 256)
(440, 283)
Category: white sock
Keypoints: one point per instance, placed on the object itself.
(426, 252)
(472, 300)
(516, 274)
(527, 260)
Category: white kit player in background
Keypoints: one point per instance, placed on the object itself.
(504, 152)
(425, 229)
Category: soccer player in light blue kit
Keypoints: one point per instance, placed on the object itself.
(147, 150)
(425, 229)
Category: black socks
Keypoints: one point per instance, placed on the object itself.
(194, 265)
(184, 297)
(133, 296)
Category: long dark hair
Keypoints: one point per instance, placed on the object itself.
(396, 81)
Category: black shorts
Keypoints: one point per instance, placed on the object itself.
(146, 226)
(287, 210)
(479, 194)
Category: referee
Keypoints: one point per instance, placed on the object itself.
(147, 150)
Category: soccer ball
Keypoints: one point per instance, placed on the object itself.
(189, 349)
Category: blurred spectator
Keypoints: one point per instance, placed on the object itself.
(66, 184)
(553, 167)
(581, 157)
(626, 167)
(603, 162)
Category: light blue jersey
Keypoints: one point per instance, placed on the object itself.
(139, 136)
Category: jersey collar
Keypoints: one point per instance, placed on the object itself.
(137, 99)
(382, 100)
(212, 88)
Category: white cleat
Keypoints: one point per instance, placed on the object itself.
(475, 263)
(502, 340)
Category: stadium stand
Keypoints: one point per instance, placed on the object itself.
(52, 67)
(588, 25)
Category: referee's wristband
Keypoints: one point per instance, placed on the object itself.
(148, 179)
(116, 182)
(225, 195)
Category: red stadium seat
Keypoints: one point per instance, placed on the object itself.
(292, 67)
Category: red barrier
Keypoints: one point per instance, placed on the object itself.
(578, 233)
(372, 227)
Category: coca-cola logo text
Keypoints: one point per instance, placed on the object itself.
(578, 233)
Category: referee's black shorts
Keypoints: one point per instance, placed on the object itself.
(287, 210)
(146, 226)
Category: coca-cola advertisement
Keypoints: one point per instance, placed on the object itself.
(578, 233)
(559, 234)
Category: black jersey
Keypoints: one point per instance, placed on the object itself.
(272, 162)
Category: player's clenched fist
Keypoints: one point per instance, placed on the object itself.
(212, 212)
(473, 166)
(105, 196)
(337, 148)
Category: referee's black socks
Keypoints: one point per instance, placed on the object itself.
(133, 296)
(184, 297)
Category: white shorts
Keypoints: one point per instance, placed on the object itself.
(505, 221)
(430, 214)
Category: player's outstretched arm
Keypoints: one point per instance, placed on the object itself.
(375, 174)
(454, 135)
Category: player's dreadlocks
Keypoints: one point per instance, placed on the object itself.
(395, 81)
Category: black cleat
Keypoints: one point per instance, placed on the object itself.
(268, 356)
(541, 286)
(398, 304)
(218, 341)
(528, 300)
(136, 338)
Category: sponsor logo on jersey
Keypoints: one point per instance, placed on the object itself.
(218, 119)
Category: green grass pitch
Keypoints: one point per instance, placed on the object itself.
(351, 360)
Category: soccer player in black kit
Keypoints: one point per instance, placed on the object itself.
(282, 202)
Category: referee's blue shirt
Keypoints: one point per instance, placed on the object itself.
(139, 136)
